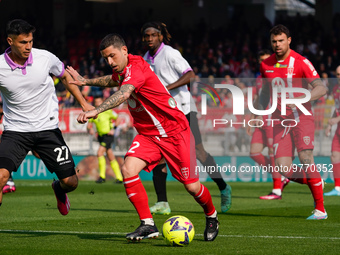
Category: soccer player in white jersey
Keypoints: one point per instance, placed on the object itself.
(30, 108)
(175, 73)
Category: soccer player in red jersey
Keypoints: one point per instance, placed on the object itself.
(335, 157)
(263, 137)
(163, 131)
(287, 69)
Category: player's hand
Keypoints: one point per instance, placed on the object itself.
(78, 79)
(85, 116)
(259, 121)
(328, 130)
(88, 107)
(332, 121)
(111, 132)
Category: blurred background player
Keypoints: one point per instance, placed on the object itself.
(105, 129)
(163, 132)
(31, 111)
(175, 73)
(10, 185)
(263, 137)
(286, 68)
(335, 157)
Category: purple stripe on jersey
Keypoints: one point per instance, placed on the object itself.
(188, 70)
(63, 71)
(152, 58)
(13, 65)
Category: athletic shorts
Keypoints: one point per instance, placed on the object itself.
(193, 122)
(49, 145)
(106, 141)
(336, 142)
(263, 136)
(178, 151)
(301, 137)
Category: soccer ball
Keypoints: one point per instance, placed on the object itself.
(178, 231)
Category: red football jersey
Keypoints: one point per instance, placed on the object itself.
(294, 72)
(153, 109)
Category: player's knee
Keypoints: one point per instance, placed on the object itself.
(193, 188)
(4, 175)
(70, 183)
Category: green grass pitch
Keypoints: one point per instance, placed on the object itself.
(101, 215)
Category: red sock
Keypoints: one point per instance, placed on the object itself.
(137, 195)
(315, 185)
(260, 159)
(336, 174)
(275, 174)
(296, 174)
(203, 197)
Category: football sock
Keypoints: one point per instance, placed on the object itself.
(214, 215)
(60, 193)
(314, 182)
(102, 166)
(336, 174)
(296, 174)
(203, 197)
(215, 176)
(277, 191)
(276, 175)
(260, 159)
(148, 221)
(159, 182)
(0, 204)
(115, 167)
(137, 195)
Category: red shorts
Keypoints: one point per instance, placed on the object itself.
(336, 142)
(301, 137)
(178, 151)
(263, 136)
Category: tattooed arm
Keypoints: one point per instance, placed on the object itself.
(113, 101)
(79, 80)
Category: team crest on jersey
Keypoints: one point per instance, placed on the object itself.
(128, 73)
(185, 172)
(306, 139)
(290, 70)
(172, 102)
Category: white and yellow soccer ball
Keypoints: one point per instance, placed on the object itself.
(178, 231)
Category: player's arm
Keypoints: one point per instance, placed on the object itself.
(319, 89)
(183, 80)
(74, 90)
(332, 121)
(113, 101)
(105, 81)
(90, 128)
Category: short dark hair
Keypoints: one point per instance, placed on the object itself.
(159, 26)
(18, 27)
(279, 29)
(114, 40)
(264, 52)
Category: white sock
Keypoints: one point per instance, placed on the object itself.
(149, 221)
(277, 192)
(337, 188)
(214, 215)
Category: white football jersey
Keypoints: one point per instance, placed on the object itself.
(29, 100)
(169, 65)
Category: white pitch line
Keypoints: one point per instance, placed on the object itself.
(121, 233)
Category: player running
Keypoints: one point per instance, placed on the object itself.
(286, 68)
(175, 73)
(263, 137)
(31, 111)
(163, 131)
(335, 157)
(105, 129)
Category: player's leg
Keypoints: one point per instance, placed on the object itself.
(142, 154)
(4, 175)
(101, 160)
(114, 165)
(207, 160)
(9, 186)
(335, 159)
(182, 166)
(160, 174)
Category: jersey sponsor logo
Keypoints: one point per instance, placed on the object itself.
(306, 139)
(185, 172)
(278, 65)
(269, 71)
(128, 73)
(311, 67)
(172, 102)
